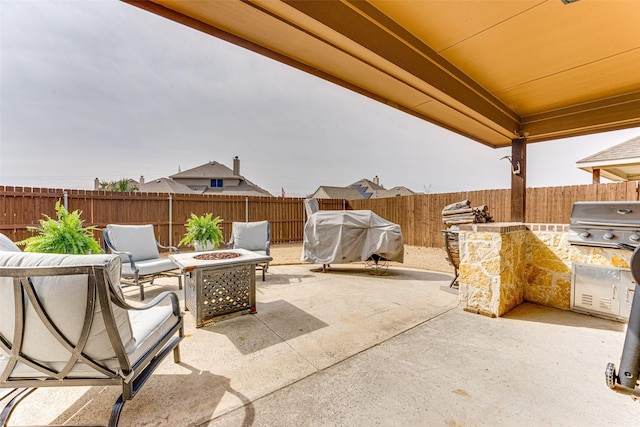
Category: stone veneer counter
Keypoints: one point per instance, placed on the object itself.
(492, 267)
(505, 264)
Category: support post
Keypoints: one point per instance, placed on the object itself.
(518, 179)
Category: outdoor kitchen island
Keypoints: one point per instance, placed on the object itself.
(505, 264)
(219, 283)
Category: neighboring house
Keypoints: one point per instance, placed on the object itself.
(363, 189)
(395, 192)
(326, 192)
(368, 189)
(618, 163)
(165, 185)
(216, 178)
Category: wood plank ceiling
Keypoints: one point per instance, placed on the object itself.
(489, 70)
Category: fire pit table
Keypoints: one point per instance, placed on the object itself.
(219, 283)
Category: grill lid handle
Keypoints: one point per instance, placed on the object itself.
(624, 211)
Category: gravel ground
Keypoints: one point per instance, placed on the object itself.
(433, 259)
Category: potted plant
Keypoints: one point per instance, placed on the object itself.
(203, 232)
(66, 235)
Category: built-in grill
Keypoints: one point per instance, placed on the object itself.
(610, 291)
(597, 289)
(605, 224)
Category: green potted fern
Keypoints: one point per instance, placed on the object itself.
(203, 232)
(66, 235)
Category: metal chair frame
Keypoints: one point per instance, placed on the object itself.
(130, 376)
(138, 279)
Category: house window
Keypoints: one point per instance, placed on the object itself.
(217, 183)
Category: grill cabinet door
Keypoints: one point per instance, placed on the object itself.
(597, 289)
(627, 288)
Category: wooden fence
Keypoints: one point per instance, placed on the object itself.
(23, 207)
(419, 215)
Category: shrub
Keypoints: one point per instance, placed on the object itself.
(66, 235)
(201, 229)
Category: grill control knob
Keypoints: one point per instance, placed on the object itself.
(635, 237)
(608, 235)
(585, 234)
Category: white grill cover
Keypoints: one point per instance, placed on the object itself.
(340, 237)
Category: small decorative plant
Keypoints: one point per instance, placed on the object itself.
(203, 232)
(66, 235)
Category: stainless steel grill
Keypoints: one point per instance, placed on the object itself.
(605, 224)
(610, 291)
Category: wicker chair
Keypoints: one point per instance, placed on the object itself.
(138, 248)
(64, 322)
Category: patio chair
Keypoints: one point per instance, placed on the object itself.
(254, 237)
(64, 322)
(141, 261)
(311, 206)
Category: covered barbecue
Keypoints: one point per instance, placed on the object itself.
(340, 237)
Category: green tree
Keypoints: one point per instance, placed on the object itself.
(122, 185)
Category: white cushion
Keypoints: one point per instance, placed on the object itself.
(6, 244)
(150, 266)
(149, 326)
(137, 239)
(65, 299)
(250, 235)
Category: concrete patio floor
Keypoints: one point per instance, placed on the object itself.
(346, 348)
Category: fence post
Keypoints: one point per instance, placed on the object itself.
(170, 220)
(65, 198)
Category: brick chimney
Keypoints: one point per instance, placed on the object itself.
(141, 179)
(376, 180)
(236, 166)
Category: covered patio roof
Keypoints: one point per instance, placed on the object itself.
(493, 71)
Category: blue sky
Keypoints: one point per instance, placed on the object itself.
(103, 89)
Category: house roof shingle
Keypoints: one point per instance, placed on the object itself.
(346, 193)
(624, 150)
(165, 185)
(208, 170)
